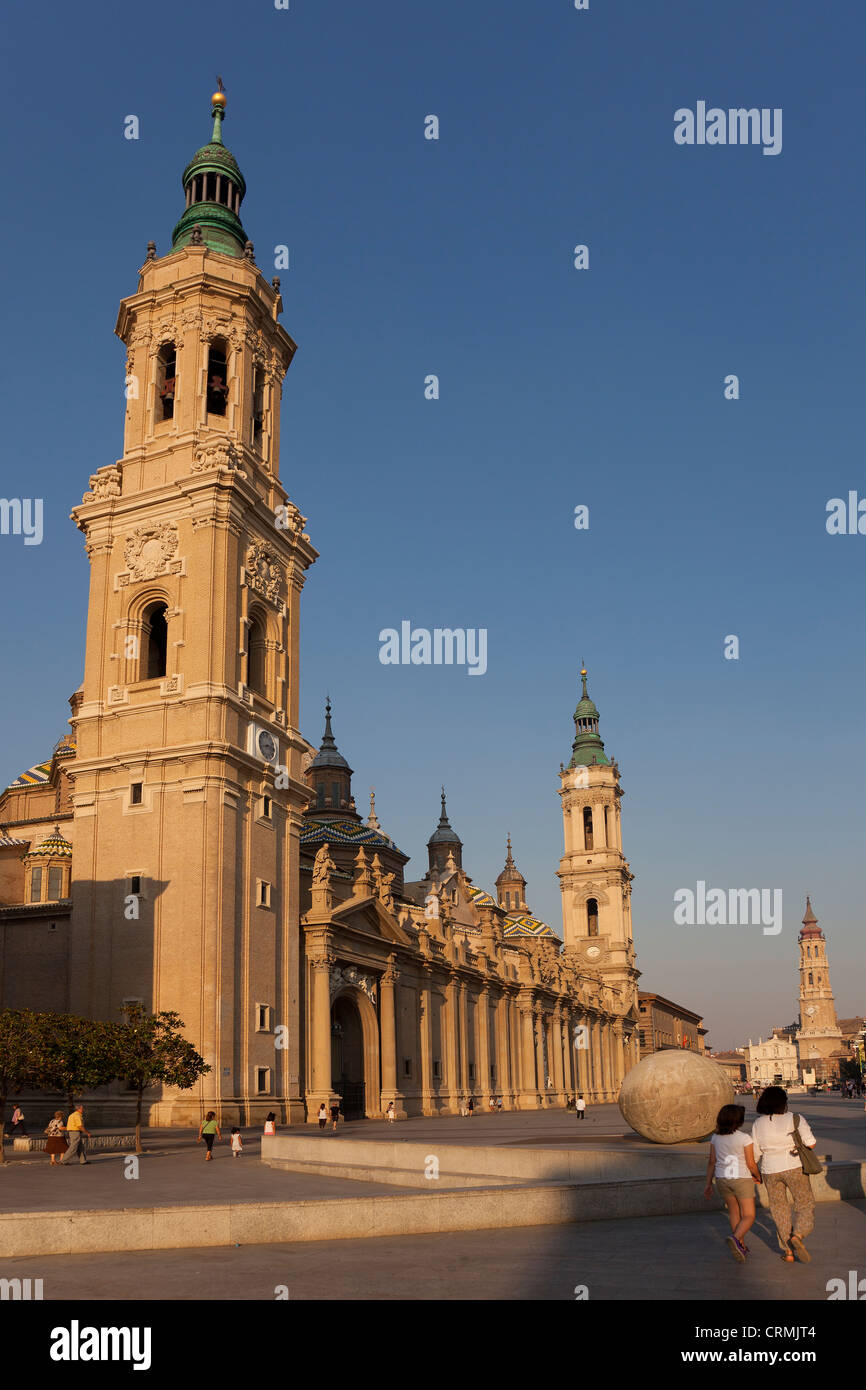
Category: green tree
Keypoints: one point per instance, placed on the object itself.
(75, 1054)
(18, 1034)
(152, 1050)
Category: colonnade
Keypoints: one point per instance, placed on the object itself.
(524, 1045)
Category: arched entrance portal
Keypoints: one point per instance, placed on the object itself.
(347, 1057)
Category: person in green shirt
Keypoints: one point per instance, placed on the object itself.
(208, 1130)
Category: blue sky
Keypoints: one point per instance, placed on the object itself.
(558, 387)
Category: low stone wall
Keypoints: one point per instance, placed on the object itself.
(352, 1218)
(107, 1139)
(408, 1164)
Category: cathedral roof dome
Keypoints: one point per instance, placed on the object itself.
(329, 754)
(444, 834)
(588, 747)
(55, 845)
(214, 188)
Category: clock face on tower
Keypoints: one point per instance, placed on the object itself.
(592, 952)
(267, 746)
(810, 1010)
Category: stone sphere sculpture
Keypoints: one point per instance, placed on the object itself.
(673, 1097)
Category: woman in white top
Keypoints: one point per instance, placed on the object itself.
(732, 1163)
(773, 1138)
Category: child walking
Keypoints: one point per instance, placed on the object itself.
(732, 1162)
(237, 1143)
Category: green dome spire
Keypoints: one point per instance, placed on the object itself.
(215, 188)
(587, 747)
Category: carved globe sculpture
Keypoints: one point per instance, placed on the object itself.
(673, 1097)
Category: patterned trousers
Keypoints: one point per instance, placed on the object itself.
(778, 1185)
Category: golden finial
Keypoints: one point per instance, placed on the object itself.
(219, 96)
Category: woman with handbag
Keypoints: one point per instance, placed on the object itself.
(56, 1142)
(784, 1142)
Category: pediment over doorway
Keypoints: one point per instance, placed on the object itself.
(369, 916)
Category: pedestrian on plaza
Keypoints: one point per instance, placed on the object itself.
(492, 1103)
(580, 1107)
(390, 1113)
(76, 1134)
(237, 1143)
(56, 1142)
(335, 1113)
(18, 1126)
(471, 1107)
(209, 1130)
(775, 1134)
(270, 1123)
(732, 1163)
(323, 1115)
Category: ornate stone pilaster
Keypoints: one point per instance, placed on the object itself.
(483, 1079)
(388, 1036)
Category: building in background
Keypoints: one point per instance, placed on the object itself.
(663, 1024)
(734, 1064)
(774, 1062)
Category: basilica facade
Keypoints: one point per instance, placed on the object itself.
(187, 847)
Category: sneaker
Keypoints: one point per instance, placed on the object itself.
(800, 1250)
(736, 1248)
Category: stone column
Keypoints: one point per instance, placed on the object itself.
(581, 1057)
(427, 1107)
(321, 1029)
(464, 1048)
(452, 1059)
(540, 1025)
(528, 1062)
(388, 1038)
(558, 1069)
(618, 1056)
(595, 1059)
(484, 1046)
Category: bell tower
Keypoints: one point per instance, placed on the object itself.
(594, 875)
(819, 1035)
(188, 789)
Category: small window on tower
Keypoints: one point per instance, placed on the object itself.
(258, 404)
(55, 884)
(592, 917)
(135, 794)
(155, 642)
(810, 977)
(320, 796)
(36, 885)
(335, 794)
(217, 377)
(587, 827)
(166, 381)
(256, 653)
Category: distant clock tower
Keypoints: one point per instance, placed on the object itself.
(819, 1036)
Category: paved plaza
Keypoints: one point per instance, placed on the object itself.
(657, 1258)
(649, 1258)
